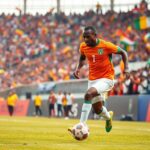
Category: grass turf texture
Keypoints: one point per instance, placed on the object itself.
(29, 133)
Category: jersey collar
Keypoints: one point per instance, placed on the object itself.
(97, 41)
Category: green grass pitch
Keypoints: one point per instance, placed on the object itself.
(36, 133)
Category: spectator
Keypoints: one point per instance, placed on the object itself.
(143, 6)
(98, 8)
(143, 87)
(59, 104)
(11, 102)
(70, 101)
(64, 104)
(52, 101)
(136, 10)
(38, 104)
(129, 86)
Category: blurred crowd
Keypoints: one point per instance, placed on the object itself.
(138, 83)
(40, 48)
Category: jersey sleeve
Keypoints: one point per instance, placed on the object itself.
(111, 48)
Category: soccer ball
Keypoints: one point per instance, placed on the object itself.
(80, 131)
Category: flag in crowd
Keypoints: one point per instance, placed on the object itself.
(142, 23)
(127, 43)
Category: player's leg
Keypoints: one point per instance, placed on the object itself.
(99, 108)
(102, 111)
(87, 105)
(95, 88)
(103, 86)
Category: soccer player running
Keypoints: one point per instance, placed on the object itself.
(101, 73)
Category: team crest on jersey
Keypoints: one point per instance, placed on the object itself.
(100, 51)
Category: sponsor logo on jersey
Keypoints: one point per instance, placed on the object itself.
(100, 51)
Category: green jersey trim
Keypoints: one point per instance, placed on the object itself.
(118, 49)
(110, 57)
(97, 42)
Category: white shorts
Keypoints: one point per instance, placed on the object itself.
(102, 86)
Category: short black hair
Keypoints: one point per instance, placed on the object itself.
(90, 28)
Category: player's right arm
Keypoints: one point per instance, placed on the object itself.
(79, 66)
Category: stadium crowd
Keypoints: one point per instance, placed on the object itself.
(42, 48)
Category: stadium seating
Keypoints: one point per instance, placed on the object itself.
(41, 48)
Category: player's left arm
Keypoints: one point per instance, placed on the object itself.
(124, 55)
(117, 50)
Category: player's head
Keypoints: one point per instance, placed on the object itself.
(89, 35)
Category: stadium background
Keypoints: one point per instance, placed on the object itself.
(39, 53)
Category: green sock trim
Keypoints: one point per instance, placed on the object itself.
(87, 102)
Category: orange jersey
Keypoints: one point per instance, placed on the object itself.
(99, 59)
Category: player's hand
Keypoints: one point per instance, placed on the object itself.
(126, 73)
(76, 74)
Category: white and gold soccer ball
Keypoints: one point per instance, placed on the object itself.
(80, 131)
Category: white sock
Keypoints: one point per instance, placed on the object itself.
(105, 114)
(86, 108)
